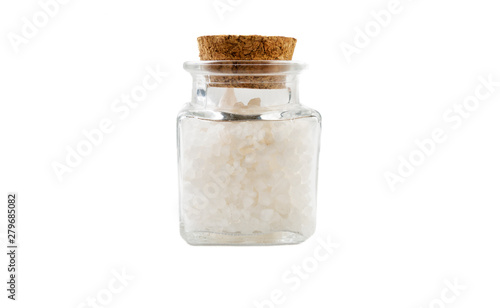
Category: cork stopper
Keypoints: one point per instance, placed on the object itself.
(246, 47)
(234, 48)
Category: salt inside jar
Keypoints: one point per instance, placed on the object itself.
(247, 149)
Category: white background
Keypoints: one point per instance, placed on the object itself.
(118, 209)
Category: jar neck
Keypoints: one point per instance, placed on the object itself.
(227, 95)
(244, 84)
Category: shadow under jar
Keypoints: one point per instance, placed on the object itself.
(248, 155)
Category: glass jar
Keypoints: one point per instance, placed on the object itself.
(248, 155)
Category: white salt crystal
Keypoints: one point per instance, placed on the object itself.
(247, 202)
(254, 102)
(266, 214)
(228, 99)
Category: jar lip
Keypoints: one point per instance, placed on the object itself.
(244, 67)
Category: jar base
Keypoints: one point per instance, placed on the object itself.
(238, 239)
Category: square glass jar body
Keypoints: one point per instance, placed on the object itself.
(248, 157)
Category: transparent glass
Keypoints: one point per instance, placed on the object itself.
(248, 155)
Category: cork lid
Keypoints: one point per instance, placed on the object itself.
(241, 58)
(246, 47)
